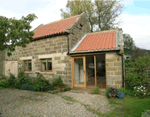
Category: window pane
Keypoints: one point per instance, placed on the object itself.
(49, 66)
(30, 65)
(25, 65)
(49, 63)
(78, 71)
(43, 65)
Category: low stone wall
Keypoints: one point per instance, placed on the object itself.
(113, 70)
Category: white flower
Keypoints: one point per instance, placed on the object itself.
(137, 90)
(143, 87)
(144, 93)
(141, 90)
(134, 87)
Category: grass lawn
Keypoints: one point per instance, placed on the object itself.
(129, 107)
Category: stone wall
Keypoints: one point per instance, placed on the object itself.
(53, 47)
(113, 70)
(76, 33)
(2, 58)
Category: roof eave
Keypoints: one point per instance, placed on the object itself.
(93, 52)
(102, 50)
(52, 35)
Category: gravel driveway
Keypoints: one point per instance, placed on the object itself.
(21, 103)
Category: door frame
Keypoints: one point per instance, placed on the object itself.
(84, 71)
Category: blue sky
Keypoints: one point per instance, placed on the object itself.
(136, 21)
(138, 7)
(135, 17)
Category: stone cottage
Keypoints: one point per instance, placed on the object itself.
(65, 48)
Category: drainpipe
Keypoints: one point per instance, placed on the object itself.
(122, 68)
(67, 35)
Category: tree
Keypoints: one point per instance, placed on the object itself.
(129, 45)
(139, 52)
(101, 14)
(15, 32)
(136, 71)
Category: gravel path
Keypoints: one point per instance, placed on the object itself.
(96, 102)
(21, 103)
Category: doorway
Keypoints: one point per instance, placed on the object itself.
(78, 72)
(89, 71)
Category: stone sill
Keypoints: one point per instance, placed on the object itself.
(28, 72)
(50, 72)
(31, 72)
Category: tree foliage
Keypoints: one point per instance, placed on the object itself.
(102, 14)
(129, 45)
(136, 71)
(139, 52)
(131, 49)
(15, 32)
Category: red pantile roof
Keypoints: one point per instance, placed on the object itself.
(55, 27)
(105, 40)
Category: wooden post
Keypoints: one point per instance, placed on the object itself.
(72, 70)
(95, 70)
(84, 69)
(105, 73)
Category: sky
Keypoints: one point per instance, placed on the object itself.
(135, 18)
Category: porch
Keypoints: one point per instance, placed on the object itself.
(89, 71)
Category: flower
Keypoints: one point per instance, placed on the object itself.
(143, 87)
(141, 90)
(137, 90)
(144, 93)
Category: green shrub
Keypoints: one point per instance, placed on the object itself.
(96, 90)
(22, 79)
(34, 84)
(9, 83)
(136, 73)
(130, 92)
(121, 90)
(4, 84)
(124, 90)
(27, 87)
(127, 91)
(141, 91)
(11, 80)
(58, 81)
(3, 78)
(107, 92)
(42, 85)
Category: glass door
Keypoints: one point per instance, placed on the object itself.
(78, 72)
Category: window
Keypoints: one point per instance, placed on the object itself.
(46, 64)
(80, 28)
(27, 65)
